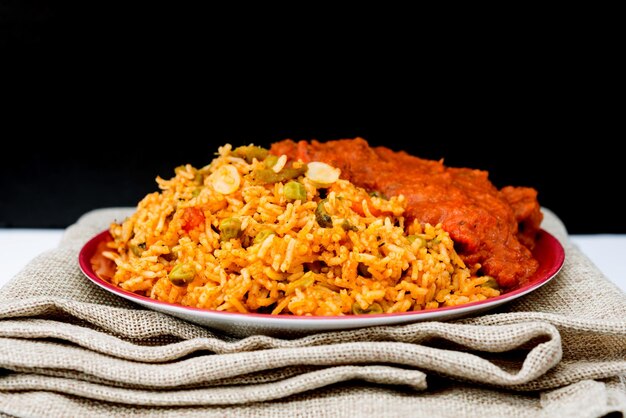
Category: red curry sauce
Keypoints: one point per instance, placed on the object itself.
(495, 228)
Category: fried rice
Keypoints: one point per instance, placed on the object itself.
(254, 233)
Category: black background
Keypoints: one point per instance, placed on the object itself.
(94, 111)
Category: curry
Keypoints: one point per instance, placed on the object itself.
(493, 230)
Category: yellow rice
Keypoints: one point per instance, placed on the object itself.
(361, 264)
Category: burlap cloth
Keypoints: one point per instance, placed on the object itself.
(68, 348)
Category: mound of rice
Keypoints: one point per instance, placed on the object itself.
(252, 232)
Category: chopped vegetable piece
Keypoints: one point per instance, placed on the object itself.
(322, 174)
(376, 193)
(322, 217)
(138, 249)
(264, 233)
(295, 191)
(433, 243)
(269, 176)
(192, 218)
(230, 228)
(250, 152)
(270, 161)
(181, 274)
(492, 283)
(373, 309)
(348, 226)
(413, 238)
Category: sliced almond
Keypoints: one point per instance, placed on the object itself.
(322, 174)
(226, 179)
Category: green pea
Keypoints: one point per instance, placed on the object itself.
(295, 191)
(262, 235)
(230, 228)
(413, 238)
(373, 309)
(181, 274)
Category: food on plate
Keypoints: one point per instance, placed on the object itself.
(265, 232)
(491, 227)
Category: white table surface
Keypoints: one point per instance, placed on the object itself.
(19, 246)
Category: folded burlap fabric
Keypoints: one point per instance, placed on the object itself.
(69, 348)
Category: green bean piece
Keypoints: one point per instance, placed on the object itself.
(262, 235)
(268, 176)
(230, 228)
(491, 283)
(199, 178)
(181, 274)
(295, 191)
(373, 309)
(413, 238)
(137, 249)
(196, 191)
(250, 152)
(270, 161)
(322, 217)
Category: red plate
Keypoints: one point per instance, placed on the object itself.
(548, 251)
